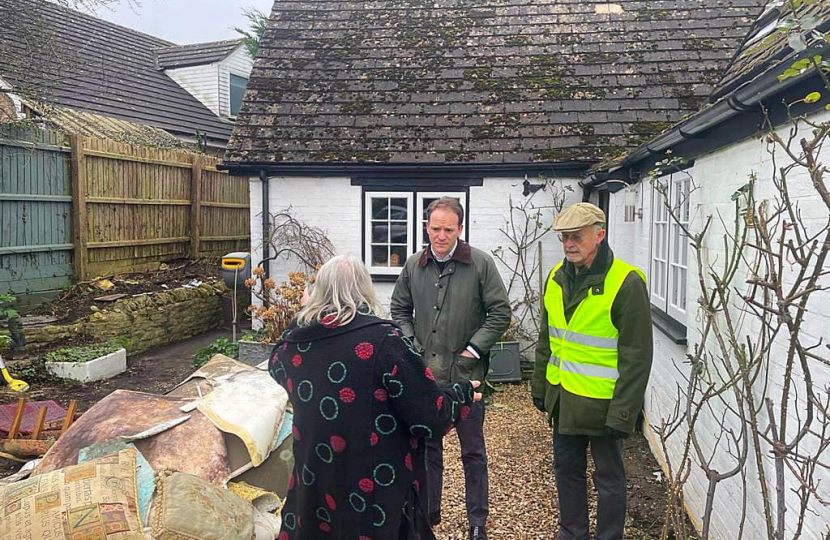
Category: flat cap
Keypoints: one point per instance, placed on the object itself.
(578, 216)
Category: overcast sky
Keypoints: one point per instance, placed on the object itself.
(183, 21)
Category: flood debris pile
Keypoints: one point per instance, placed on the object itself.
(208, 460)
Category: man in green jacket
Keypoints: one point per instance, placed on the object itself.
(450, 299)
(593, 361)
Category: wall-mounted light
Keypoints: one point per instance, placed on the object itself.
(631, 209)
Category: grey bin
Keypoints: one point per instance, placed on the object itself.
(504, 362)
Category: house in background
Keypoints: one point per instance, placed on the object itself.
(358, 117)
(89, 65)
(723, 151)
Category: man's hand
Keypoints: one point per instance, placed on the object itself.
(466, 354)
(539, 403)
(612, 433)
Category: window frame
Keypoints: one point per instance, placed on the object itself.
(416, 197)
(367, 230)
(669, 273)
(231, 75)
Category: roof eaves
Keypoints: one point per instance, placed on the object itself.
(761, 87)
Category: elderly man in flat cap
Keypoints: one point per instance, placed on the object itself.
(592, 366)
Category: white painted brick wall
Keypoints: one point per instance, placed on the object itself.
(718, 176)
(334, 205)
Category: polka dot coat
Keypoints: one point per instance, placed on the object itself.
(363, 403)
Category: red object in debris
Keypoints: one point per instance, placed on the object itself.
(54, 412)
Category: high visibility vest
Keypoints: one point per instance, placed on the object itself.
(583, 351)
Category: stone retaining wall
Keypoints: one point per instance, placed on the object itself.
(145, 321)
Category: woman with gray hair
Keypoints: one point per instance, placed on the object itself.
(363, 403)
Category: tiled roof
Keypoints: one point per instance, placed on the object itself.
(767, 44)
(85, 63)
(196, 54)
(502, 81)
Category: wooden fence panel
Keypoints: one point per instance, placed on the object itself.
(146, 205)
(97, 207)
(225, 213)
(35, 204)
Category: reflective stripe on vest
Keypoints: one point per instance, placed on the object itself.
(583, 350)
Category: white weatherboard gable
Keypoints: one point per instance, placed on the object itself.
(210, 83)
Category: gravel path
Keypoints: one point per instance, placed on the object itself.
(522, 494)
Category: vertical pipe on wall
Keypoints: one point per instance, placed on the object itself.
(266, 232)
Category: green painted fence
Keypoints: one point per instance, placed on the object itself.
(35, 212)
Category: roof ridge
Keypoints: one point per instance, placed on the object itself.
(200, 44)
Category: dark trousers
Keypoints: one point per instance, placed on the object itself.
(474, 457)
(570, 463)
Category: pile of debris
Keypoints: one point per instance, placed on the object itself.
(208, 460)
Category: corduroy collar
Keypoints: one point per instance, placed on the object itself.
(463, 254)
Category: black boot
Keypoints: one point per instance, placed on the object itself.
(477, 533)
(434, 518)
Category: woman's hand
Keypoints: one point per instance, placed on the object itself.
(476, 395)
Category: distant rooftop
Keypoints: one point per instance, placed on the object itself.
(89, 64)
(196, 54)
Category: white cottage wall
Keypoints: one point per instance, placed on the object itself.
(717, 176)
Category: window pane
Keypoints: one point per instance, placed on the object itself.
(397, 208)
(237, 92)
(397, 255)
(683, 289)
(380, 208)
(380, 256)
(398, 232)
(380, 232)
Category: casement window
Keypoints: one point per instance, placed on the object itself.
(670, 248)
(237, 92)
(394, 227)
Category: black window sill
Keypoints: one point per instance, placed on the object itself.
(384, 278)
(674, 330)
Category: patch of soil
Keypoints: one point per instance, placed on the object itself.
(75, 304)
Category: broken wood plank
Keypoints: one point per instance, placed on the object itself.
(70, 415)
(18, 417)
(25, 448)
(41, 419)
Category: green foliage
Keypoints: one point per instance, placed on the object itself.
(5, 342)
(258, 21)
(253, 335)
(220, 346)
(33, 372)
(86, 353)
(6, 310)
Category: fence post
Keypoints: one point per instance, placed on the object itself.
(79, 220)
(195, 206)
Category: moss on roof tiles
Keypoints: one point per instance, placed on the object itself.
(515, 80)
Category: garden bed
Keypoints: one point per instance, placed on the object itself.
(77, 302)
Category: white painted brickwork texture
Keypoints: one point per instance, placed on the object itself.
(717, 177)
